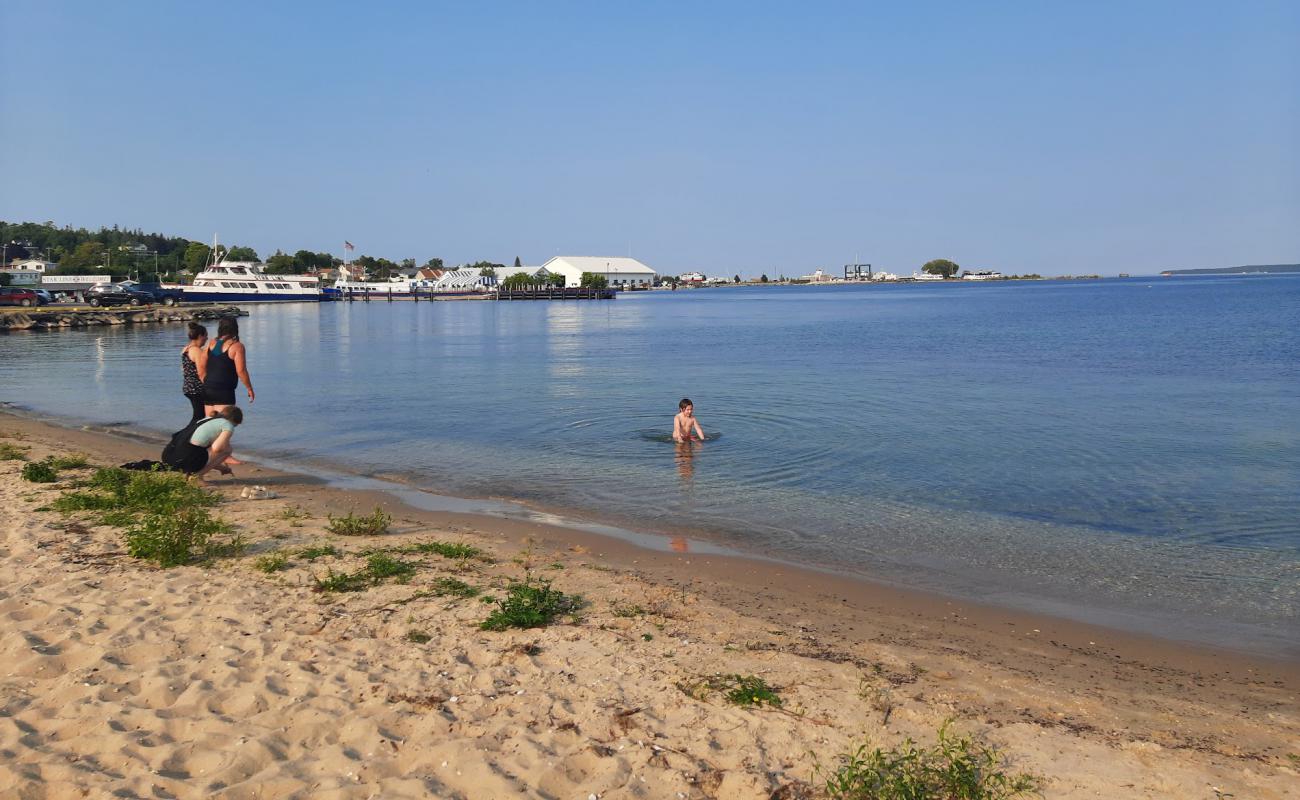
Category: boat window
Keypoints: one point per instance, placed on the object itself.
(238, 271)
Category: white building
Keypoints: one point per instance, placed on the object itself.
(818, 276)
(983, 275)
(621, 273)
(926, 276)
(21, 276)
(32, 265)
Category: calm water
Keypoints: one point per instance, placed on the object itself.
(1123, 451)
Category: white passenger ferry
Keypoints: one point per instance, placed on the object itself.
(244, 281)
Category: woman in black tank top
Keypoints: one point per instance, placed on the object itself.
(224, 366)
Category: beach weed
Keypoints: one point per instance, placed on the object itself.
(39, 472)
(879, 698)
(342, 582)
(272, 562)
(418, 637)
(70, 461)
(293, 514)
(530, 604)
(454, 588)
(354, 525)
(13, 452)
(381, 565)
(739, 690)
(319, 551)
(453, 550)
(628, 610)
(955, 768)
(182, 537)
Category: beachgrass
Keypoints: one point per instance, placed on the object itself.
(353, 525)
(955, 767)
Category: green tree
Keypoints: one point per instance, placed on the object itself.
(518, 263)
(281, 264)
(940, 266)
(242, 254)
(522, 280)
(85, 256)
(5, 278)
(763, 278)
(434, 263)
(735, 279)
(592, 280)
(195, 257)
(488, 268)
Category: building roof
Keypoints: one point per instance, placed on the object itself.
(601, 264)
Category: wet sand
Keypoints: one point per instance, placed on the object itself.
(228, 682)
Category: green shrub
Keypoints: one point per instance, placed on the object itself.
(180, 537)
(319, 551)
(382, 565)
(379, 566)
(124, 497)
(530, 605)
(739, 690)
(39, 472)
(352, 525)
(13, 452)
(454, 588)
(342, 582)
(72, 461)
(954, 768)
(272, 562)
(418, 637)
(445, 549)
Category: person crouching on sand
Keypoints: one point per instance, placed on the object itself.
(210, 446)
(685, 426)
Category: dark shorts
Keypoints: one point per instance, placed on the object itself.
(192, 460)
(214, 396)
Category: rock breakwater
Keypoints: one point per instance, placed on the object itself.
(71, 318)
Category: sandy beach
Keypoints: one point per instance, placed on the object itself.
(123, 679)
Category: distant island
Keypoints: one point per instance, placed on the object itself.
(1258, 268)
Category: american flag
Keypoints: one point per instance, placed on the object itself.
(348, 245)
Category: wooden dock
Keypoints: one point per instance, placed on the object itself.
(556, 293)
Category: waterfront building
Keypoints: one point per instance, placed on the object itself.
(621, 273)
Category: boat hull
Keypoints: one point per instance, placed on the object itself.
(252, 296)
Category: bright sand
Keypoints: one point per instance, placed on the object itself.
(119, 678)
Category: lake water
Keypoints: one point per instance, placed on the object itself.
(1120, 451)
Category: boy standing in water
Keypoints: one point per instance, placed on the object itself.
(685, 426)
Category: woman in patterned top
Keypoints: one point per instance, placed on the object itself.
(191, 373)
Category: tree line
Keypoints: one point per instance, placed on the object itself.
(120, 252)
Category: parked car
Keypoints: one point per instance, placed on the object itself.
(113, 294)
(13, 296)
(162, 294)
(46, 297)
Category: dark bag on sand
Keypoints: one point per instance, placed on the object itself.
(180, 454)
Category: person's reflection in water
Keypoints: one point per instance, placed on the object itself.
(685, 458)
(685, 463)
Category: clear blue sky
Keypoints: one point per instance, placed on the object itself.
(748, 137)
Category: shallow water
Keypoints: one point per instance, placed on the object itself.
(1125, 451)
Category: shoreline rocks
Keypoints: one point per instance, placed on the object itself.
(39, 320)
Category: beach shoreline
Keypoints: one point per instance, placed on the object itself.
(626, 539)
(1054, 694)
